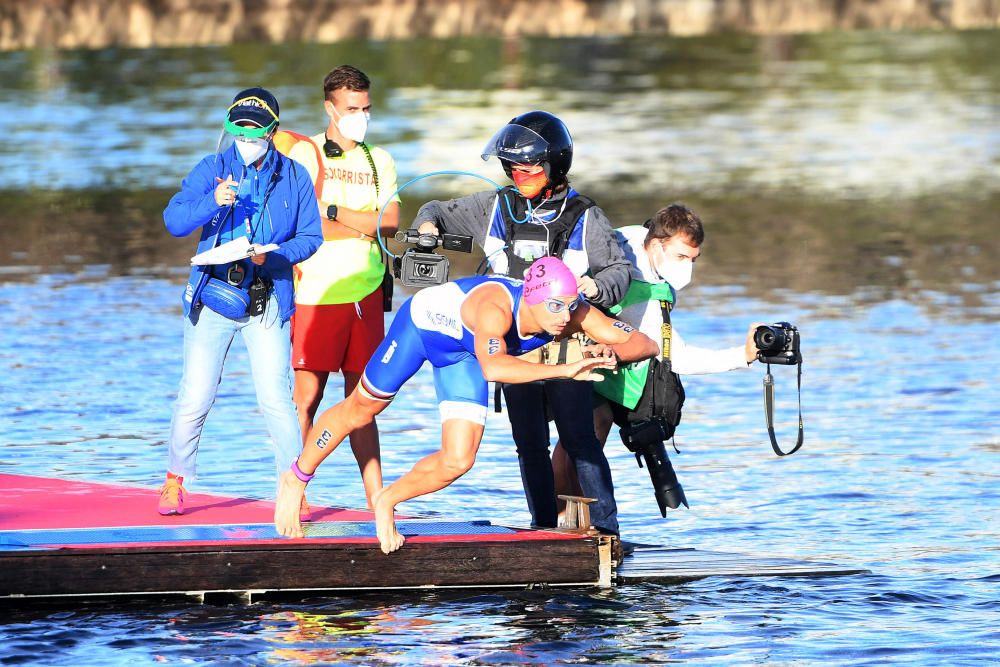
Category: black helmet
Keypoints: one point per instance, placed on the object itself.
(536, 137)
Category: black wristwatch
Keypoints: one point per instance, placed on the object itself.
(331, 212)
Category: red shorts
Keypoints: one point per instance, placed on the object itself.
(333, 337)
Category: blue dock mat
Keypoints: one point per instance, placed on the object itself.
(57, 537)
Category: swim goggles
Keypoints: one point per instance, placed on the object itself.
(555, 306)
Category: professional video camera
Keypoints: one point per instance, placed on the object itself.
(777, 344)
(420, 266)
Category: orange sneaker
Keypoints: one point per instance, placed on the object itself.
(171, 497)
(305, 512)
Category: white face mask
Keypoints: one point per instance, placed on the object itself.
(678, 274)
(251, 150)
(354, 125)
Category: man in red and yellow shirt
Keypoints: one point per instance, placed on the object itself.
(338, 293)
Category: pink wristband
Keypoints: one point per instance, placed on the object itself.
(298, 472)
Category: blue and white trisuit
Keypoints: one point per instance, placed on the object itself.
(429, 327)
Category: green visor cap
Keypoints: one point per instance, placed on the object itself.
(252, 109)
(252, 132)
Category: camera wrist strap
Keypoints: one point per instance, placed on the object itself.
(769, 411)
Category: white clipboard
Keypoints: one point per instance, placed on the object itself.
(231, 251)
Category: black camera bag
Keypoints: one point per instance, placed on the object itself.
(663, 394)
(652, 422)
(662, 399)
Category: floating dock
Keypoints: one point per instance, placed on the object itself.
(66, 538)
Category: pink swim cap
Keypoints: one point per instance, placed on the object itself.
(548, 278)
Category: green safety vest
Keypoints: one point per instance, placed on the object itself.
(625, 386)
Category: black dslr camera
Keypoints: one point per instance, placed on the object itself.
(777, 344)
(420, 265)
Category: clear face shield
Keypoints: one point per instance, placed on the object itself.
(240, 131)
(516, 144)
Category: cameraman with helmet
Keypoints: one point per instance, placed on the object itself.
(542, 215)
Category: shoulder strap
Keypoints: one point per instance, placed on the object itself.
(769, 412)
(575, 207)
(371, 163)
(666, 331)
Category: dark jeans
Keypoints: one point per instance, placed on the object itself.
(571, 404)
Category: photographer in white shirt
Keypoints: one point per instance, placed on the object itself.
(662, 253)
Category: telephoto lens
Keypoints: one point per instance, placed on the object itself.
(666, 487)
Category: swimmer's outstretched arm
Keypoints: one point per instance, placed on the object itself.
(493, 320)
(628, 344)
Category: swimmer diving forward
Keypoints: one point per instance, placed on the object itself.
(472, 331)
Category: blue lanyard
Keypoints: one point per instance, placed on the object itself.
(252, 226)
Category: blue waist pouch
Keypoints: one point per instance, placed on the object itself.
(225, 299)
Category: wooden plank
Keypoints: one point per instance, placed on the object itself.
(298, 567)
(660, 564)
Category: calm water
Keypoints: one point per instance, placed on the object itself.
(865, 166)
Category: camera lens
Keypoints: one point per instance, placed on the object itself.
(424, 270)
(769, 339)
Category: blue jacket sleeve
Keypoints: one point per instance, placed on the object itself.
(307, 236)
(194, 206)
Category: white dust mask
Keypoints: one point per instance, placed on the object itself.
(354, 125)
(678, 274)
(250, 149)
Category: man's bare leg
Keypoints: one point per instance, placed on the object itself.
(307, 394)
(365, 445)
(331, 428)
(459, 444)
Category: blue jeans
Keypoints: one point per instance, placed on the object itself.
(206, 342)
(571, 405)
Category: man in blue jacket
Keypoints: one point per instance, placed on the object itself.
(249, 191)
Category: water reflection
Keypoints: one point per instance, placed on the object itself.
(861, 165)
(934, 251)
(844, 114)
(501, 628)
(310, 637)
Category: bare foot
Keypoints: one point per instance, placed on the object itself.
(385, 524)
(286, 509)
